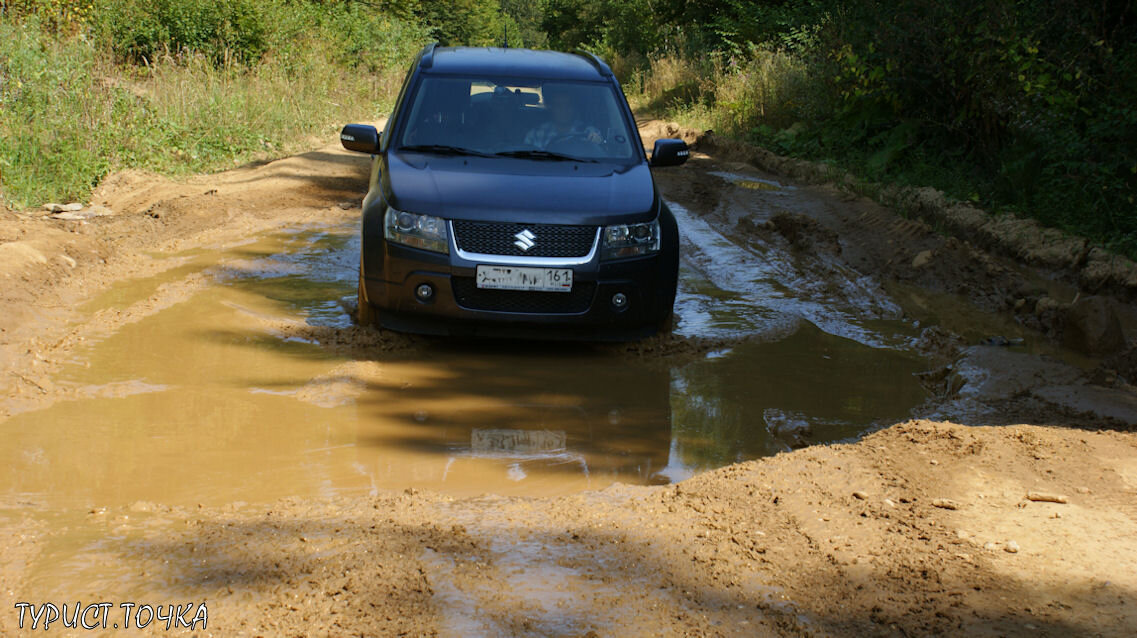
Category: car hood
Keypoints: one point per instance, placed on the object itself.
(518, 190)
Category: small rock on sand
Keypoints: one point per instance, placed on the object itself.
(922, 259)
(945, 503)
(63, 208)
(1045, 497)
(70, 216)
(1092, 326)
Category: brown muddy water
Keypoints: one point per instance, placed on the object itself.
(212, 399)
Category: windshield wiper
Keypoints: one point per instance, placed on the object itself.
(442, 149)
(543, 155)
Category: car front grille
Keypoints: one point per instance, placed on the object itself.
(469, 296)
(500, 238)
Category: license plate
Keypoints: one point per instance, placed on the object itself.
(487, 441)
(516, 278)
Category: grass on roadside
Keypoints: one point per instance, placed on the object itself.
(70, 112)
(773, 99)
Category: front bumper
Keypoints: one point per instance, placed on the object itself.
(392, 272)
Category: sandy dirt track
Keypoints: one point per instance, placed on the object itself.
(925, 527)
(833, 540)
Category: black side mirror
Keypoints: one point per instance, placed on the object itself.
(361, 138)
(669, 152)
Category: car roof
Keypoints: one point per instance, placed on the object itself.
(528, 63)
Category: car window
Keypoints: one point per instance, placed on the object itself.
(501, 115)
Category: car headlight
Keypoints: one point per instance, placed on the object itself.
(419, 231)
(630, 240)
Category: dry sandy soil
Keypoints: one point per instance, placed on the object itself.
(921, 528)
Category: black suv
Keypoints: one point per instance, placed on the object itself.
(510, 195)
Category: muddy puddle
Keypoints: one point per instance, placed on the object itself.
(212, 395)
(237, 376)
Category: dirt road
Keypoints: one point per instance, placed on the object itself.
(189, 414)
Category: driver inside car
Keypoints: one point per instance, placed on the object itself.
(563, 123)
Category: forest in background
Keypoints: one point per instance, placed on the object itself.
(1024, 106)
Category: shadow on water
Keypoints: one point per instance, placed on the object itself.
(766, 397)
(211, 400)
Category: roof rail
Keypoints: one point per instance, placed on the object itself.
(595, 61)
(426, 58)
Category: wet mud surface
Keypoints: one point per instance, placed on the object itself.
(191, 412)
(172, 404)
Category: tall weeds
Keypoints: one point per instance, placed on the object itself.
(73, 110)
(732, 95)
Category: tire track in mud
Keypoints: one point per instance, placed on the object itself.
(837, 261)
(758, 291)
(522, 569)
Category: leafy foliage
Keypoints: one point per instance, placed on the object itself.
(141, 30)
(75, 104)
(469, 22)
(56, 16)
(1015, 105)
(1028, 106)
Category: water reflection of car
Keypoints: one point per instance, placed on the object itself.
(587, 421)
(509, 194)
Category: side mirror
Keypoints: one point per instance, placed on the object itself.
(361, 138)
(669, 152)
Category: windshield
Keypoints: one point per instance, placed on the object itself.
(543, 120)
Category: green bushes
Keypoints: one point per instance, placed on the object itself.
(214, 89)
(56, 16)
(370, 40)
(1026, 106)
(769, 88)
(142, 30)
(1030, 107)
(49, 116)
(624, 26)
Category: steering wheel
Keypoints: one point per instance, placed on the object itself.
(576, 144)
(569, 137)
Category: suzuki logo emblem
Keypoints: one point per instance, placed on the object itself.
(525, 239)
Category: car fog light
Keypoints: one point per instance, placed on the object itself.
(424, 292)
(619, 301)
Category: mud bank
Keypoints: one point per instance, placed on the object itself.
(923, 528)
(1095, 270)
(1077, 293)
